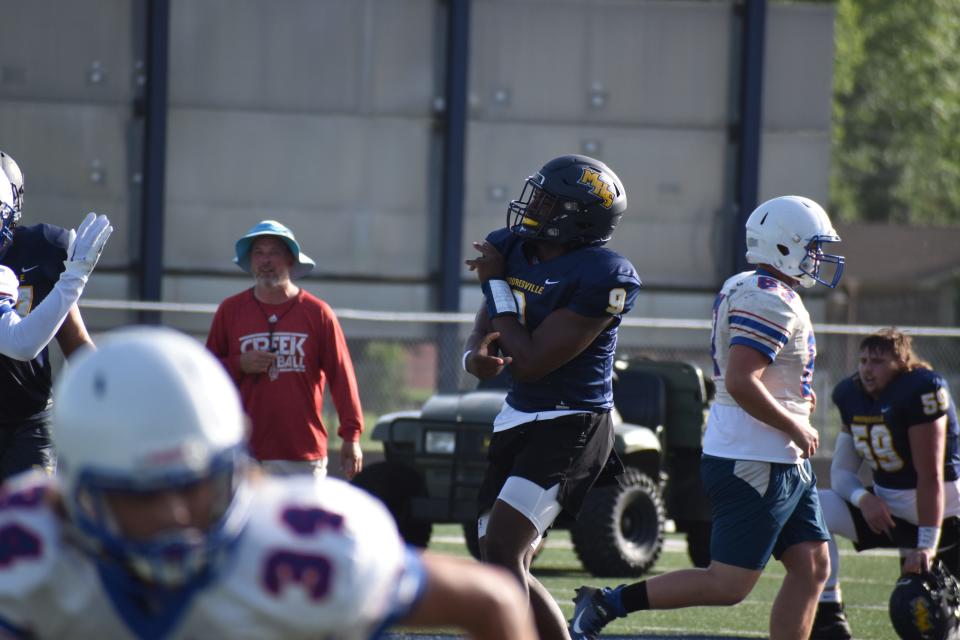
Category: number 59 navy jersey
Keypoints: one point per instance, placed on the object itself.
(590, 281)
(879, 426)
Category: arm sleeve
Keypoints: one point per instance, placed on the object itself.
(338, 366)
(24, 339)
(218, 344)
(844, 469)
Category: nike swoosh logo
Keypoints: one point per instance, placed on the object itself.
(25, 269)
(576, 622)
(549, 281)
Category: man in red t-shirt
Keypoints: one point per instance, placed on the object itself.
(282, 345)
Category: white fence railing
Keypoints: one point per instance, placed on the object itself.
(403, 357)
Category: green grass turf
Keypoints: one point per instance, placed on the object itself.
(867, 580)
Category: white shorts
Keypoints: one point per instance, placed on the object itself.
(537, 504)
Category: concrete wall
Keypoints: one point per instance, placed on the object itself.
(325, 114)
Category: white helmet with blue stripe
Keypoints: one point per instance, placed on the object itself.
(150, 410)
(788, 233)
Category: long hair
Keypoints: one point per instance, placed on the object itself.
(897, 343)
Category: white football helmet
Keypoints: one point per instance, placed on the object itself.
(150, 410)
(15, 176)
(9, 209)
(788, 234)
(9, 286)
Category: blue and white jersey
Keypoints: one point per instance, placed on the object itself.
(317, 559)
(756, 310)
(591, 281)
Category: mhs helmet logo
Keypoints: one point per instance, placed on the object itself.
(921, 615)
(598, 187)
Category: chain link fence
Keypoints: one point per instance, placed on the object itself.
(401, 359)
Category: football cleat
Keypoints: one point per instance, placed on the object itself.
(593, 610)
(830, 623)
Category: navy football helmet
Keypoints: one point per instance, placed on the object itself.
(11, 199)
(573, 200)
(926, 607)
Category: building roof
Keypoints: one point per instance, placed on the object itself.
(891, 255)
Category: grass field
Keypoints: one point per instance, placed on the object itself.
(867, 581)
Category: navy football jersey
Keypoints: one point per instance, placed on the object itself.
(36, 256)
(879, 427)
(591, 281)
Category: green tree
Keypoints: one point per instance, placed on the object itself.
(896, 138)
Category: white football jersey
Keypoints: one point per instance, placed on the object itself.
(763, 313)
(317, 559)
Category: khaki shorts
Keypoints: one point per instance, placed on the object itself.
(317, 468)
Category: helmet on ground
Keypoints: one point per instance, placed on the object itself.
(150, 410)
(925, 607)
(573, 200)
(788, 234)
(9, 209)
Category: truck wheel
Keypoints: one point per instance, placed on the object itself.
(620, 529)
(396, 486)
(698, 543)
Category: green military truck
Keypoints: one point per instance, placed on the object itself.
(435, 458)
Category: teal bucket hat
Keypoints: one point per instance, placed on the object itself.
(302, 263)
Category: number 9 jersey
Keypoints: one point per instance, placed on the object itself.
(594, 282)
(879, 427)
(319, 560)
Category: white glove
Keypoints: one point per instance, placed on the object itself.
(86, 245)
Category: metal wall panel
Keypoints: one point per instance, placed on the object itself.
(403, 49)
(795, 163)
(67, 51)
(321, 113)
(294, 55)
(602, 61)
(527, 62)
(659, 63)
(74, 160)
(258, 54)
(348, 186)
(798, 71)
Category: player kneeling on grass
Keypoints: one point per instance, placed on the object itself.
(157, 526)
(898, 418)
(756, 449)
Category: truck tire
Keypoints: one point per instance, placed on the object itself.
(620, 529)
(698, 543)
(396, 485)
